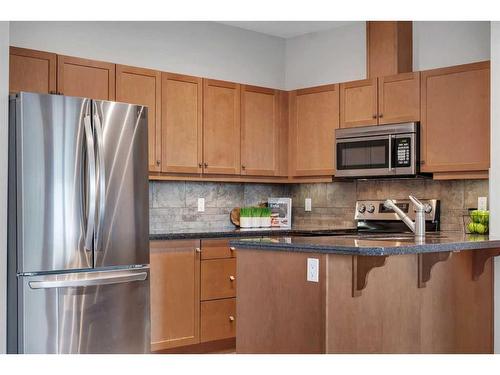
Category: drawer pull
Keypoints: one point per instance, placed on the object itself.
(198, 250)
(231, 318)
(232, 248)
(232, 278)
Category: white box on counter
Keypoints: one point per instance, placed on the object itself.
(281, 212)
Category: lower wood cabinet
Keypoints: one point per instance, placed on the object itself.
(218, 319)
(218, 279)
(175, 293)
(193, 290)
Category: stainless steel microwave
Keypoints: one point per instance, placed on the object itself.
(380, 150)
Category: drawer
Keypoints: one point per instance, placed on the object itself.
(218, 319)
(218, 279)
(216, 249)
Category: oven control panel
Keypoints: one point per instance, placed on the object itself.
(375, 209)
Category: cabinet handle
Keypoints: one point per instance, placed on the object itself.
(205, 165)
(200, 165)
(198, 250)
(422, 162)
(158, 162)
(381, 115)
(232, 278)
(374, 116)
(232, 248)
(243, 167)
(231, 318)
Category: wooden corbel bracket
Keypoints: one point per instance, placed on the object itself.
(479, 258)
(425, 263)
(361, 267)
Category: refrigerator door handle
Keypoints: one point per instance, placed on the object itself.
(90, 281)
(89, 137)
(101, 178)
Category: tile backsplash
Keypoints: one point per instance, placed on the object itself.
(335, 201)
(173, 205)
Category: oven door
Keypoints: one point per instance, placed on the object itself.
(365, 156)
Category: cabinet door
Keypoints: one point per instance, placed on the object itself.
(218, 279)
(358, 103)
(389, 47)
(218, 319)
(399, 98)
(85, 78)
(181, 124)
(175, 293)
(221, 127)
(32, 71)
(314, 116)
(143, 86)
(259, 131)
(455, 118)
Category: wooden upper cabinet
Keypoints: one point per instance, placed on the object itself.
(181, 125)
(358, 103)
(399, 98)
(259, 131)
(314, 116)
(175, 293)
(455, 118)
(143, 86)
(221, 127)
(389, 46)
(85, 78)
(32, 71)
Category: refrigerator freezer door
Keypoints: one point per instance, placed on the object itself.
(85, 312)
(123, 194)
(52, 211)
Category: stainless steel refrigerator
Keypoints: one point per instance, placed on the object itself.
(78, 272)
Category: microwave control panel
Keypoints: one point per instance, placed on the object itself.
(402, 152)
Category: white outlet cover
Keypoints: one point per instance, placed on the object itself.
(308, 204)
(313, 270)
(482, 203)
(201, 204)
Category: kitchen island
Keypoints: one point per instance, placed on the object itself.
(374, 294)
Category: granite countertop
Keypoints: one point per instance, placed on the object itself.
(251, 232)
(372, 244)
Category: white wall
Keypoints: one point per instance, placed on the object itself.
(4, 91)
(204, 49)
(495, 165)
(339, 54)
(219, 51)
(331, 56)
(437, 43)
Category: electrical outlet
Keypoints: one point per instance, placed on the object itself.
(482, 203)
(201, 204)
(313, 270)
(308, 204)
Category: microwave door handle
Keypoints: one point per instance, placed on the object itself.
(91, 181)
(390, 153)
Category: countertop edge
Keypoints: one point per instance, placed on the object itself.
(368, 251)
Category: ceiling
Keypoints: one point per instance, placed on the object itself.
(286, 29)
